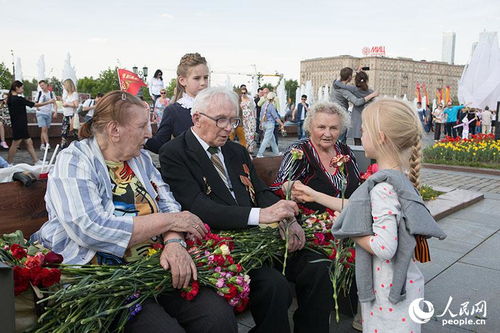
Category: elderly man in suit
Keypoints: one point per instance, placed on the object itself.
(215, 179)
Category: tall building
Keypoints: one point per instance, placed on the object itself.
(389, 76)
(448, 48)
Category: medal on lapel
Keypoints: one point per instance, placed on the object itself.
(208, 189)
(245, 180)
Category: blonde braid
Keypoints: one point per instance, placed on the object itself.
(415, 161)
(188, 61)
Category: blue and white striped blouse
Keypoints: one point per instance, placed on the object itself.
(80, 205)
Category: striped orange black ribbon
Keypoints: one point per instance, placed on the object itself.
(422, 253)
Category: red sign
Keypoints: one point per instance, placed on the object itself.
(130, 82)
(374, 51)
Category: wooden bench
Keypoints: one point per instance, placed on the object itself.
(23, 208)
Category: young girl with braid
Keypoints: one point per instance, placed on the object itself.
(192, 77)
(388, 220)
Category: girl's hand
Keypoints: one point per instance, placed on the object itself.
(303, 193)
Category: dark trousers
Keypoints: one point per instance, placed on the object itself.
(315, 293)
(343, 137)
(449, 130)
(270, 296)
(276, 132)
(437, 131)
(207, 312)
(300, 129)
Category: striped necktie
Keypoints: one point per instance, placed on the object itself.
(218, 165)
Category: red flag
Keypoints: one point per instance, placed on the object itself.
(448, 94)
(417, 93)
(130, 82)
(425, 94)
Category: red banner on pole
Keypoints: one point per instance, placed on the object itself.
(417, 93)
(130, 82)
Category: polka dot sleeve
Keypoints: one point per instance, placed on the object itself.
(385, 213)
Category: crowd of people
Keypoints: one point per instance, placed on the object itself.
(108, 203)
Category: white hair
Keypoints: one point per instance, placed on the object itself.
(214, 97)
(327, 107)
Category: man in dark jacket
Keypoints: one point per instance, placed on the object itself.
(215, 179)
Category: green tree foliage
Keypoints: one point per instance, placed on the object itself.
(87, 85)
(108, 81)
(171, 88)
(29, 87)
(268, 86)
(291, 89)
(5, 77)
(56, 85)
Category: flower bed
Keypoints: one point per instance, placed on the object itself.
(480, 151)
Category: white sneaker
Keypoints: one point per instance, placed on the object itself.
(4, 145)
(48, 146)
(259, 156)
(42, 147)
(39, 162)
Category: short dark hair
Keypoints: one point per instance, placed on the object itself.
(42, 81)
(304, 96)
(419, 103)
(346, 73)
(260, 89)
(100, 95)
(243, 85)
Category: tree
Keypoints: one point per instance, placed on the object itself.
(88, 85)
(29, 87)
(5, 77)
(268, 86)
(56, 85)
(107, 81)
(291, 88)
(171, 88)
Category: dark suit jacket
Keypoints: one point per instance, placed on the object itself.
(300, 109)
(176, 119)
(197, 186)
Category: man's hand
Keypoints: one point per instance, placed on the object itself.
(296, 235)
(279, 211)
(186, 222)
(180, 263)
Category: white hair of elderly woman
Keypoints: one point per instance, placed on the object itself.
(214, 97)
(327, 107)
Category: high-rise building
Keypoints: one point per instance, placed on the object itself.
(448, 49)
(389, 76)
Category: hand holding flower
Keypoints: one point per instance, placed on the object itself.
(303, 193)
(296, 235)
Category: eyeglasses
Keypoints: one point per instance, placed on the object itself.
(223, 122)
(162, 93)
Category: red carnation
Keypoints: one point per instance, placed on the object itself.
(52, 259)
(21, 279)
(17, 251)
(233, 291)
(241, 306)
(50, 276)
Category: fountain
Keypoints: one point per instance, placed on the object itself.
(40, 65)
(18, 75)
(281, 92)
(69, 70)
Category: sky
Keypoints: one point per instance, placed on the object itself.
(233, 35)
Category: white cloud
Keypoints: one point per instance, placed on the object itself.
(166, 15)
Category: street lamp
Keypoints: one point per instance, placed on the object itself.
(142, 74)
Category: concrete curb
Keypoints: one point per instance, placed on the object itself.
(452, 201)
(483, 171)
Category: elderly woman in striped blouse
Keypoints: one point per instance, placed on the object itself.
(107, 204)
